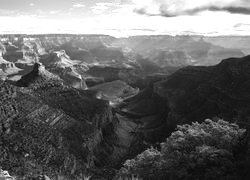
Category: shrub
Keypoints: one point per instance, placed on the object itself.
(210, 150)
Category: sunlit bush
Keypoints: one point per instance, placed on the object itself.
(210, 150)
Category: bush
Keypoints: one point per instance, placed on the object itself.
(210, 150)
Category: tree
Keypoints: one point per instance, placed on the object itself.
(208, 150)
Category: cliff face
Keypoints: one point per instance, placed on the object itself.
(196, 93)
(49, 128)
(7, 68)
(70, 71)
(29, 142)
(137, 122)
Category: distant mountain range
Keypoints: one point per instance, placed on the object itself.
(139, 52)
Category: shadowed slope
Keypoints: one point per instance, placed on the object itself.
(205, 92)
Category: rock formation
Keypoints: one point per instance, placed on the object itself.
(7, 68)
(70, 71)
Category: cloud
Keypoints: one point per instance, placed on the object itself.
(31, 4)
(124, 1)
(117, 18)
(230, 9)
(78, 5)
(4, 12)
(99, 8)
(54, 12)
(173, 8)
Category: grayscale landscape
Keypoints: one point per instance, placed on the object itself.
(124, 90)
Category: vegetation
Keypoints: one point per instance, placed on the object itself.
(210, 150)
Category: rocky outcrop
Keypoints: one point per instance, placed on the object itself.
(7, 69)
(4, 175)
(37, 77)
(12, 68)
(70, 71)
(12, 53)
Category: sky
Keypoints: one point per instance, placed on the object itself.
(122, 18)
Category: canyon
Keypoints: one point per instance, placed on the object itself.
(72, 105)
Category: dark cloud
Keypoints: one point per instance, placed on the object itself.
(231, 8)
(163, 12)
(141, 11)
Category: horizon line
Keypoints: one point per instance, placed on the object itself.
(98, 34)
